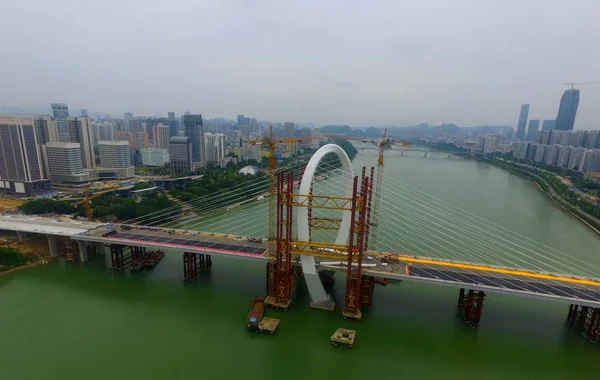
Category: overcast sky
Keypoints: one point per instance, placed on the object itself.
(469, 62)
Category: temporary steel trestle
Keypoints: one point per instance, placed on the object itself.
(585, 319)
(281, 273)
(120, 256)
(471, 303)
(194, 264)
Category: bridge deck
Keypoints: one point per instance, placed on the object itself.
(566, 290)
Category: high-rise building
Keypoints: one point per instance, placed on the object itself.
(576, 138)
(576, 157)
(155, 156)
(534, 124)
(115, 160)
(540, 153)
(564, 153)
(60, 111)
(81, 132)
(46, 130)
(546, 137)
(161, 136)
(591, 161)
(522, 121)
(288, 131)
(592, 140)
(491, 143)
(128, 116)
(567, 110)
(114, 154)
(140, 140)
(84, 113)
(106, 132)
(171, 115)
(65, 164)
(181, 154)
(565, 138)
(214, 147)
(551, 154)
(548, 125)
(194, 130)
(20, 158)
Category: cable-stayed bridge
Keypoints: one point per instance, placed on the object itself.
(324, 225)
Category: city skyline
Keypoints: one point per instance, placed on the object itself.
(309, 62)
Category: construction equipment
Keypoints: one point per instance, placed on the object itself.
(87, 200)
(572, 84)
(381, 144)
(271, 143)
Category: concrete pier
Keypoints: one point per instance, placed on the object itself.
(83, 254)
(52, 245)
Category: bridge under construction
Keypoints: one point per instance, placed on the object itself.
(475, 259)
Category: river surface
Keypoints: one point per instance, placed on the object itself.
(82, 322)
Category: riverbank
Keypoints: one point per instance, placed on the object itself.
(546, 188)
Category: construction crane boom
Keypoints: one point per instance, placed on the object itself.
(572, 84)
(87, 201)
(271, 143)
(381, 144)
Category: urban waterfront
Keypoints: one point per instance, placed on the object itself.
(82, 322)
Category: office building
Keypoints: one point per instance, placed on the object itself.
(214, 148)
(21, 170)
(60, 111)
(161, 136)
(81, 132)
(523, 115)
(548, 125)
(194, 130)
(65, 164)
(155, 156)
(128, 116)
(173, 125)
(181, 154)
(115, 160)
(114, 154)
(567, 110)
(84, 113)
(46, 130)
(531, 152)
(534, 124)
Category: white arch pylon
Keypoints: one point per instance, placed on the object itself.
(319, 296)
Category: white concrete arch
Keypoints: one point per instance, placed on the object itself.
(315, 287)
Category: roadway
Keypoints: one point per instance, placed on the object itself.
(568, 289)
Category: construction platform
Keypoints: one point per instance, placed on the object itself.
(272, 302)
(268, 325)
(343, 336)
(350, 315)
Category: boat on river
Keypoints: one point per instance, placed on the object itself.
(255, 315)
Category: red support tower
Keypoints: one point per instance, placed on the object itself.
(279, 292)
(352, 301)
(471, 304)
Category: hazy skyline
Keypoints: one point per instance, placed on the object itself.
(344, 62)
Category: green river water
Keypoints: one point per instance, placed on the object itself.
(62, 321)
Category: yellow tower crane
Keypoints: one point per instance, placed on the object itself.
(271, 143)
(381, 144)
(87, 200)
